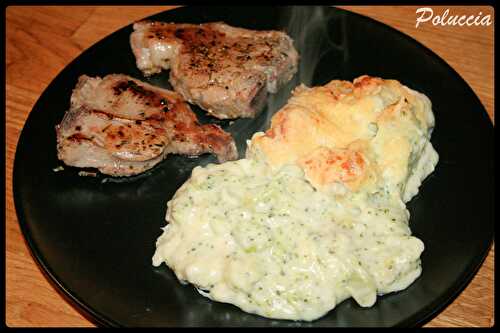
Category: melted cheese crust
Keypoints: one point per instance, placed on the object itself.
(385, 122)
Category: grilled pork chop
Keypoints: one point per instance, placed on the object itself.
(227, 71)
(123, 126)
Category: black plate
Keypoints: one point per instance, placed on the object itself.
(95, 237)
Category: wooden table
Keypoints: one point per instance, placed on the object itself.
(41, 41)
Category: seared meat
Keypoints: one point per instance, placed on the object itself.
(123, 126)
(227, 71)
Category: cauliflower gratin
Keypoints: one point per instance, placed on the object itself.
(316, 211)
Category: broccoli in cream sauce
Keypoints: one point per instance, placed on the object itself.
(316, 212)
(271, 244)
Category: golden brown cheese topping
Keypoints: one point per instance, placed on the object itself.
(361, 134)
(328, 165)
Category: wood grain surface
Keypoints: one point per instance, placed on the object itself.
(42, 40)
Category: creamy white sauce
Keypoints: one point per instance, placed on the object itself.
(257, 233)
(269, 243)
(423, 167)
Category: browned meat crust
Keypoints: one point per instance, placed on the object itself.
(123, 126)
(227, 71)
